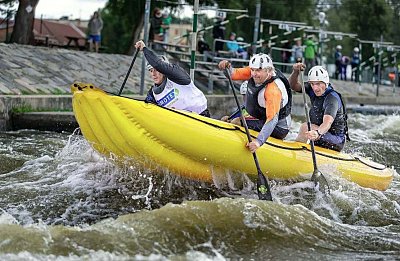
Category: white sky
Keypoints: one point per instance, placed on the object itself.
(74, 9)
(82, 9)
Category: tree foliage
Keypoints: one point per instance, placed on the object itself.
(288, 10)
(6, 5)
(371, 20)
(124, 21)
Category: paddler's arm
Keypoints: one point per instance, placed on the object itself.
(265, 132)
(172, 71)
(332, 106)
(293, 78)
(243, 74)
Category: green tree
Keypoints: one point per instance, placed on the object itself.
(369, 19)
(6, 6)
(395, 22)
(287, 10)
(124, 21)
(7, 10)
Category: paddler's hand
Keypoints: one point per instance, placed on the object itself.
(225, 118)
(140, 45)
(222, 65)
(312, 135)
(253, 146)
(299, 67)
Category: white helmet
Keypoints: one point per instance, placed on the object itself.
(261, 61)
(162, 57)
(243, 87)
(356, 49)
(339, 47)
(318, 74)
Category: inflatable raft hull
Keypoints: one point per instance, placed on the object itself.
(194, 146)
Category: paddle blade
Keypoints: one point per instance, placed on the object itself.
(320, 182)
(263, 190)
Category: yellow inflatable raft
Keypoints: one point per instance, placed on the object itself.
(192, 146)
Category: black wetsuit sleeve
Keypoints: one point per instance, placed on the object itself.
(172, 71)
(331, 106)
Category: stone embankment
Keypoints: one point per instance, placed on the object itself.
(38, 79)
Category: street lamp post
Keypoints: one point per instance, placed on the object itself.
(256, 27)
(321, 17)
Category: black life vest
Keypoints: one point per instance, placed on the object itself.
(252, 105)
(339, 124)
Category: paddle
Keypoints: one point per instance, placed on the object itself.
(263, 189)
(129, 71)
(318, 178)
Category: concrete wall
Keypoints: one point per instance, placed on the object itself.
(49, 105)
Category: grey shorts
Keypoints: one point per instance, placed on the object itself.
(278, 132)
(331, 141)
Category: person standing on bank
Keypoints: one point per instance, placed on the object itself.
(95, 26)
(327, 113)
(268, 98)
(172, 87)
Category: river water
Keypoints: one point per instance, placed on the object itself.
(59, 199)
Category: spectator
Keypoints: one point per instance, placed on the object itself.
(155, 33)
(202, 45)
(234, 48)
(242, 53)
(309, 54)
(219, 34)
(338, 61)
(95, 26)
(355, 62)
(232, 45)
(204, 48)
(285, 55)
(166, 22)
(343, 69)
(392, 75)
(297, 52)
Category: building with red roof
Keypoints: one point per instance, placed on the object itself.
(51, 33)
